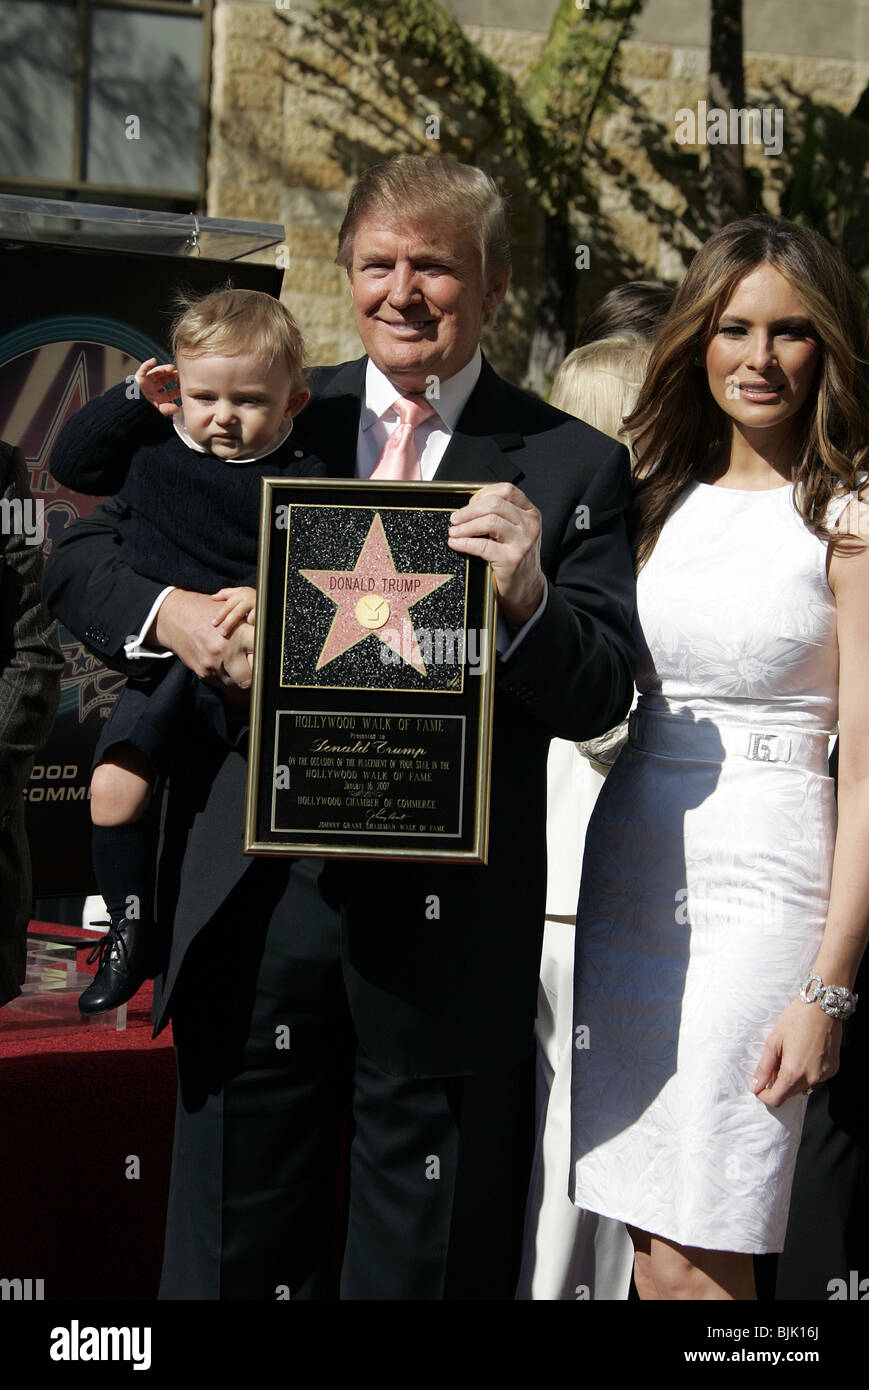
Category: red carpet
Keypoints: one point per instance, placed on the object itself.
(75, 1109)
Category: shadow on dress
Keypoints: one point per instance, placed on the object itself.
(633, 933)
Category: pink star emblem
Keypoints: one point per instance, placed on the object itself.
(373, 599)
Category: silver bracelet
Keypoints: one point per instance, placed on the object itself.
(835, 1000)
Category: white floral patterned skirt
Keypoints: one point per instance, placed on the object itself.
(704, 895)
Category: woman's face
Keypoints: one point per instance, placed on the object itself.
(762, 357)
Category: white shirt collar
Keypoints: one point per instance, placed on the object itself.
(274, 443)
(380, 393)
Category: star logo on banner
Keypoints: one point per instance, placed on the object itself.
(374, 599)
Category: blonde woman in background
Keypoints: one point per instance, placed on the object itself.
(568, 1253)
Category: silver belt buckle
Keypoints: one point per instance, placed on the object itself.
(762, 748)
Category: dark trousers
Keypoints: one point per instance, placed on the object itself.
(828, 1227)
(271, 1078)
(827, 1245)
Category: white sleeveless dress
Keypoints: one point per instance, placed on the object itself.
(706, 877)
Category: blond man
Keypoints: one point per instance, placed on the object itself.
(414, 1034)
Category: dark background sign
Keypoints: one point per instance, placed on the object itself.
(75, 322)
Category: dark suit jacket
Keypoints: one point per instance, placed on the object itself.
(30, 667)
(453, 994)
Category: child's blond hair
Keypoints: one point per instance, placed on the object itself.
(238, 323)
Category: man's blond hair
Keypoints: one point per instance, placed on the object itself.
(238, 323)
(430, 191)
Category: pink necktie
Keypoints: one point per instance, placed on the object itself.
(399, 457)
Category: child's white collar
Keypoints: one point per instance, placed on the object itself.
(274, 443)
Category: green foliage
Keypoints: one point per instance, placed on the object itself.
(827, 189)
(544, 125)
(574, 78)
(424, 29)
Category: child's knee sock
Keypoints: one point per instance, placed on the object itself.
(122, 863)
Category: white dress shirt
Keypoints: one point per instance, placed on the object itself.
(378, 418)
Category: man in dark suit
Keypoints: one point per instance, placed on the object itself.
(418, 1017)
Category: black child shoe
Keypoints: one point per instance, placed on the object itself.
(126, 961)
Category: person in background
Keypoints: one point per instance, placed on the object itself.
(635, 309)
(30, 668)
(568, 1253)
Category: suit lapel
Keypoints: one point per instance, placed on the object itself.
(328, 427)
(475, 454)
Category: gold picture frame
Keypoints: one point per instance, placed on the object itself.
(373, 675)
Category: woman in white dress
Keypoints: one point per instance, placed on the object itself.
(568, 1253)
(714, 879)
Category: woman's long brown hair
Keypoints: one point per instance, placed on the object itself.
(676, 425)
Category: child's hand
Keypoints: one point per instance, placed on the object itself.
(237, 606)
(158, 385)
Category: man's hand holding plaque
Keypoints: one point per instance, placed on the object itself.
(501, 526)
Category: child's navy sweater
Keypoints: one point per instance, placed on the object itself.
(193, 518)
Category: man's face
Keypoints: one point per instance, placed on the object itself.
(234, 406)
(419, 299)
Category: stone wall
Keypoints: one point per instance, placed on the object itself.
(664, 79)
(295, 117)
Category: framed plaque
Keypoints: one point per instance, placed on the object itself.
(373, 677)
